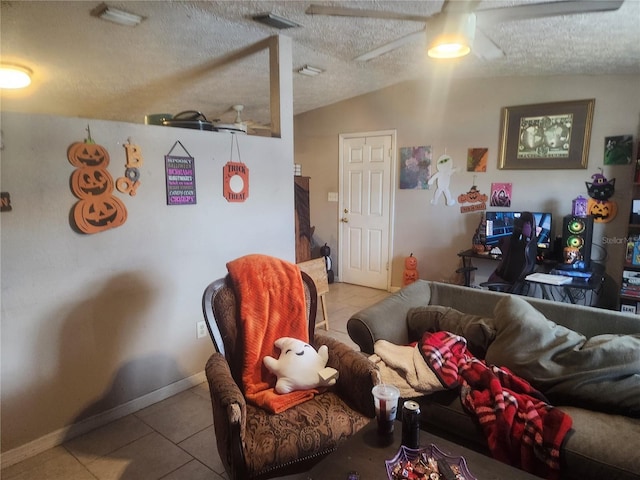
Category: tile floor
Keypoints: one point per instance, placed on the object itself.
(173, 439)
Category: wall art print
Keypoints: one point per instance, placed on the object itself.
(501, 195)
(546, 136)
(618, 150)
(415, 167)
(477, 159)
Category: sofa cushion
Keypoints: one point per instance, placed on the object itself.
(601, 446)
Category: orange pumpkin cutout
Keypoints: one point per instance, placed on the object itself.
(91, 182)
(82, 154)
(602, 211)
(99, 214)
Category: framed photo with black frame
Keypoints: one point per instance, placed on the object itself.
(547, 136)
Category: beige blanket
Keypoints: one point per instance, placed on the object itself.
(404, 367)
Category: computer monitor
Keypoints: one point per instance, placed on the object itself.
(500, 225)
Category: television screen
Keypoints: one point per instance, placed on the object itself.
(500, 225)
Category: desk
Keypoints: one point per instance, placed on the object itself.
(467, 266)
(365, 453)
(579, 290)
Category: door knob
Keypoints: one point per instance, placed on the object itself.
(344, 220)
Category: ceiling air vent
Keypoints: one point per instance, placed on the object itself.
(275, 21)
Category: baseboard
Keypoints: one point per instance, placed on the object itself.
(57, 437)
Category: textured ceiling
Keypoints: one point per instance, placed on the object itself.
(177, 58)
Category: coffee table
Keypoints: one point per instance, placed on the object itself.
(365, 452)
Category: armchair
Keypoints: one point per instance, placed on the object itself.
(254, 443)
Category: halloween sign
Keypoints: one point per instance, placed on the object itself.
(131, 180)
(600, 206)
(97, 209)
(235, 177)
(475, 200)
(181, 177)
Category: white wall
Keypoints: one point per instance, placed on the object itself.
(90, 322)
(458, 115)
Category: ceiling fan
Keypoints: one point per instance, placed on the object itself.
(238, 125)
(462, 18)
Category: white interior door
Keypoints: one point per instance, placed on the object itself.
(366, 208)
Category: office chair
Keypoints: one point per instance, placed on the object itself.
(519, 253)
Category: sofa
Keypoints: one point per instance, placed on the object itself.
(602, 444)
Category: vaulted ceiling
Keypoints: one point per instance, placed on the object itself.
(181, 57)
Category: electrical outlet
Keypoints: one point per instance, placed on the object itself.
(201, 329)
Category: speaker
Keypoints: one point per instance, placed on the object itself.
(577, 238)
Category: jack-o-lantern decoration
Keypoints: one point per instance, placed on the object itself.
(97, 209)
(600, 206)
(91, 182)
(85, 154)
(602, 211)
(410, 273)
(99, 213)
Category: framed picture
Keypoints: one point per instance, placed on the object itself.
(546, 136)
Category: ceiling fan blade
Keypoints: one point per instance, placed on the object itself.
(540, 10)
(388, 47)
(484, 48)
(315, 9)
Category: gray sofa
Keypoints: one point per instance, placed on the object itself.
(601, 445)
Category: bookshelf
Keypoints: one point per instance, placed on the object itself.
(630, 286)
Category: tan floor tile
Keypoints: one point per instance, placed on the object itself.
(201, 389)
(86, 448)
(148, 458)
(179, 417)
(203, 447)
(53, 464)
(193, 470)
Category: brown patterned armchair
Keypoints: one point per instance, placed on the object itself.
(254, 443)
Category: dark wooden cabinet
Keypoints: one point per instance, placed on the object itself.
(303, 219)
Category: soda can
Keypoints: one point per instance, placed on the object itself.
(411, 424)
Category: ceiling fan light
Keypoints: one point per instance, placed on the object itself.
(14, 76)
(451, 36)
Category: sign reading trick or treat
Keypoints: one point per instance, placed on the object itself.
(235, 177)
(235, 182)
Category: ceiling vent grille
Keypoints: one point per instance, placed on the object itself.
(275, 21)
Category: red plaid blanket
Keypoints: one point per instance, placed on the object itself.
(522, 429)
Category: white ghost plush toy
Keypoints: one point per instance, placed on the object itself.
(299, 366)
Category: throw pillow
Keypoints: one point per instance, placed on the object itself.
(477, 330)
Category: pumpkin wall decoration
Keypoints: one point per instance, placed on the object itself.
(476, 201)
(600, 206)
(410, 274)
(97, 209)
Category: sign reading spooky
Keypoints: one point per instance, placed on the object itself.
(181, 178)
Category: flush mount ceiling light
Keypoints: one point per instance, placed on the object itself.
(116, 16)
(275, 21)
(310, 71)
(451, 35)
(14, 76)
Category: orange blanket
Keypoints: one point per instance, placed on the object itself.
(272, 305)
